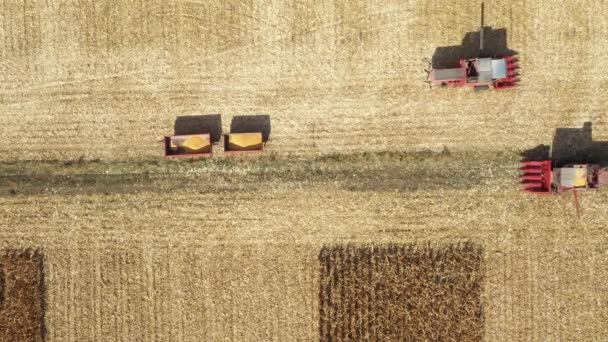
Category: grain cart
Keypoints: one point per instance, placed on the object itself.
(190, 145)
(243, 142)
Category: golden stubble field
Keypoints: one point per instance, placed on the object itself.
(246, 266)
(106, 80)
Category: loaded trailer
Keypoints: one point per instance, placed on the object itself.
(189, 145)
(243, 142)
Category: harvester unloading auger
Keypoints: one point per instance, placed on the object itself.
(479, 72)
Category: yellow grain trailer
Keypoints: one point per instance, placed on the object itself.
(190, 145)
(243, 142)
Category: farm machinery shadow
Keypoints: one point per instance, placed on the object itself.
(252, 123)
(199, 124)
(571, 146)
(494, 45)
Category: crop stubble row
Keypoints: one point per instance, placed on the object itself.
(152, 293)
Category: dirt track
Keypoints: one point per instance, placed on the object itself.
(127, 261)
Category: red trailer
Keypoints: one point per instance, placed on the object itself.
(189, 145)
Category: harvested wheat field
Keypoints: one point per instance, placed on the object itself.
(380, 210)
(105, 80)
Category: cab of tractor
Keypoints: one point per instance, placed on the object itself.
(472, 73)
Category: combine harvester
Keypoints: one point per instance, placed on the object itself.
(479, 72)
(192, 145)
(541, 177)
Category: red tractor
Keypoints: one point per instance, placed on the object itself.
(540, 177)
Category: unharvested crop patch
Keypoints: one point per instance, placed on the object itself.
(21, 296)
(401, 293)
